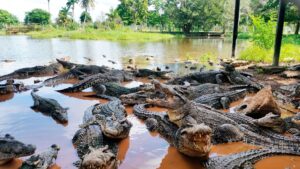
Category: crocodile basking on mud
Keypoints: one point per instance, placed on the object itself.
(252, 133)
(192, 139)
(50, 107)
(111, 117)
(280, 125)
(11, 148)
(43, 160)
(245, 160)
(35, 71)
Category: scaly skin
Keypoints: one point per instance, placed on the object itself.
(149, 73)
(275, 122)
(215, 77)
(93, 149)
(50, 107)
(11, 148)
(246, 159)
(236, 77)
(116, 90)
(253, 134)
(111, 117)
(33, 72)
(141, 97)
(192, 140)
(43, 160)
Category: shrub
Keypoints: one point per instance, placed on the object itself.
(37, 16)
(7, 18)
(85, 17)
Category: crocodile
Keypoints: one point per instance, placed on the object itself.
(35, 71)
(11, 148)
(192, 139)
(11, 86)
(93, 148)
(259, 105)
(196, 78)
(280, 125)
(246, 159)
(116, 90)
(236, 77)
(253, 134)
(141, 97)
(90, 81)
(43, 160)
(111, 117)
(50, 107)
(151, 73)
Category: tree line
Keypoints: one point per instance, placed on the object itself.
(168, 15)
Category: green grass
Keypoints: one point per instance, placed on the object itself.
(2, 32)
(289, 53)
(94, 34)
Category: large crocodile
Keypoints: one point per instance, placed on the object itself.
(111, 117)
(151, 73)
(281, 125)
(50, 107)
(11, 86)
(43, 160)
(11, 148)
(141, 97)
(93, 148)
(245, 160)
(192, 139)
(215, 77)
(253, 134)
(28, 72)
(116, 90)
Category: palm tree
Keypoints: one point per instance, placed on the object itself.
(86, 5)
(49, 6)
(71, 4)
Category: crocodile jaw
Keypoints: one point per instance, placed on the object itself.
(195, 140)
(100, 158)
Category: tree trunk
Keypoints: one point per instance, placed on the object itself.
(73, 12)
(49, 6)
(297, 28)
(187, 28)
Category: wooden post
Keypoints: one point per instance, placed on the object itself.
(235, 26)
(279, 31)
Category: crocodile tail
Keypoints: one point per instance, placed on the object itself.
(249, 87)
(58, 79)
(141, 112)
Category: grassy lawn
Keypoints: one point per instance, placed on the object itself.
(94, 34)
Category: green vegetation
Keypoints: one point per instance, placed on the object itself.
(89, 33)
(85, 17)
(37, 16)
(7, 18)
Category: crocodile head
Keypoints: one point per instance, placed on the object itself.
(114, 128)
(194, 140)
(270, 120)
(11, 148)
(101, 158)
(60, 114)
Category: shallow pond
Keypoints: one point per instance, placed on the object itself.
(142, 149)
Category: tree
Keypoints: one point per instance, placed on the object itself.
(7, 18)
(37, 16)
(133, 11)
(86, 5)
(195, 14)
(71, 4)
(63, 17)
(85, 17)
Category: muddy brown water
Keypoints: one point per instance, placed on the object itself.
(142, 150)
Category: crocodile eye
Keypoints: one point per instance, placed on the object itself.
(243, 107)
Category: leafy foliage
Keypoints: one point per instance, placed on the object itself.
(37, 16)
(85, 17)
(133, 11)
(263, 32)
(7, 18)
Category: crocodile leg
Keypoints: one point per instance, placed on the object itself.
(225, 101)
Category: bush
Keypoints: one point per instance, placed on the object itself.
(37, 16)
(7, 18)
(263, 32)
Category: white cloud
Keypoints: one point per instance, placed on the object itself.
(19, 7)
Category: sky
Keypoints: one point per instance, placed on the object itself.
(19, 7)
